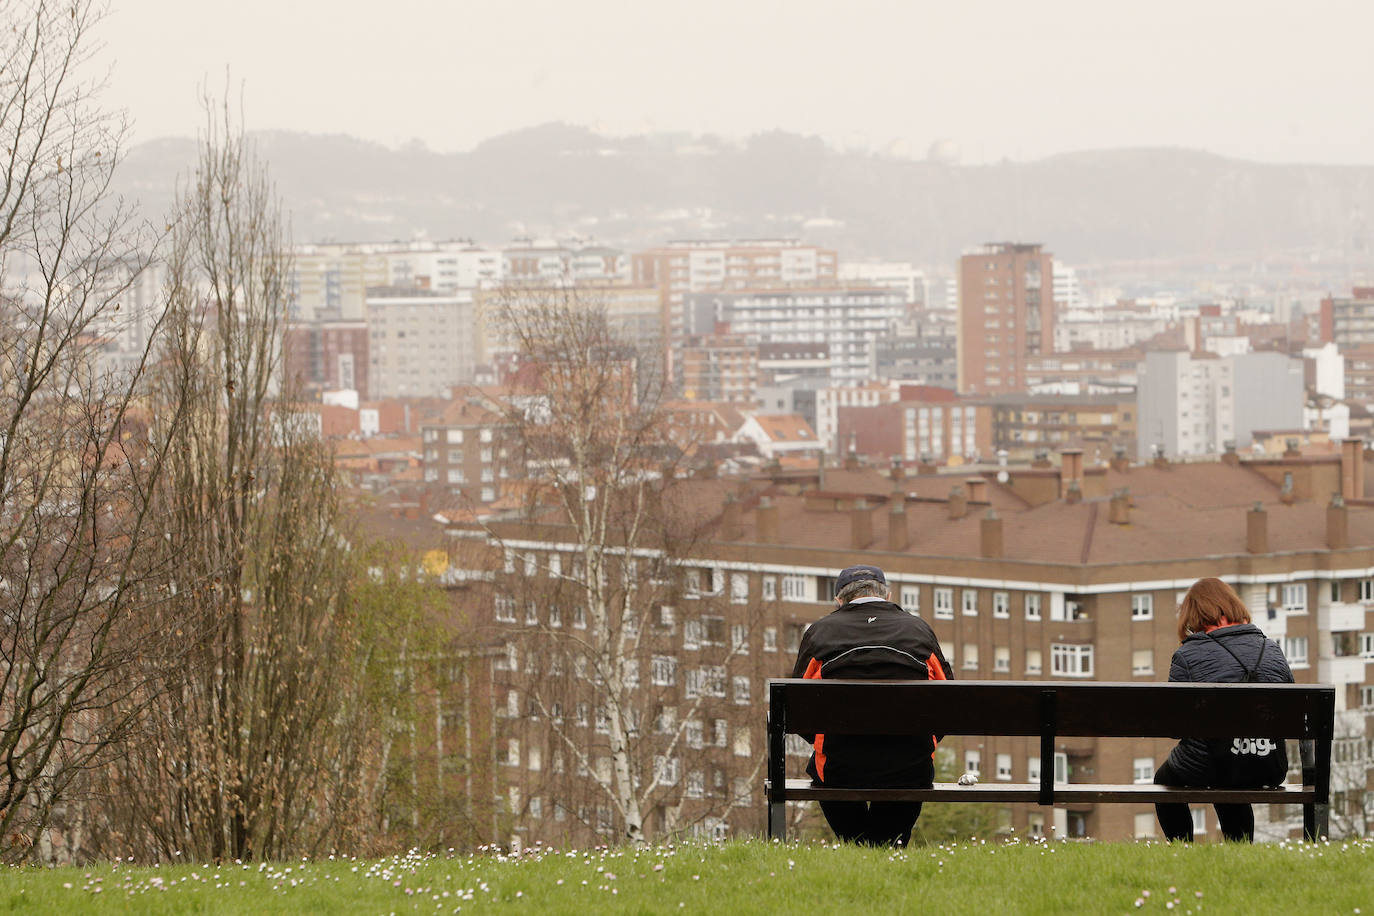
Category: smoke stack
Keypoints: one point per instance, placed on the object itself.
(1041, 459)
(990, 532)
(977, 489)
(1120, 463)
(1119, 509)
(1352, 468)
(898, 472)
(898, 535)
(1073, 495)
(927, 464)
(861, 525)
(1229, 456)
(958, 502)
(1070, 470)
(1257, 529)
(1337, 524)
(1287, 495)
(767, 521)
(1291, 449)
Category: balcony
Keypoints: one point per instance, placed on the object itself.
(1347, 669)
(1340, 616)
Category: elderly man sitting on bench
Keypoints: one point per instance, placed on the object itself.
(868, 636)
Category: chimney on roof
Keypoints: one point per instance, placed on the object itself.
(958, 502)
(1070, 472)
(977, 489)
(1161, 460)
(1287, 495)
(1119, 508)
(1291, 449)
(1229, 456)
(861, 525)
(1257, 529)
(898, 472)
(1120, 463)
(898, 534)
(1337, 524)
(851, 458)
(927, 464)
(820, 470)
(990, 535)
(1352, 468)
(1073, 494)
(767, 521)
(730, 527)
(1041, 458)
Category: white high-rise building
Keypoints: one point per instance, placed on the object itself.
(1193, 405)
(897, 275)
(1067, 294)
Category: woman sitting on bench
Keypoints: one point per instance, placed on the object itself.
(1219, 644)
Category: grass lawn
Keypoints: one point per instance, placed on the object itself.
(742, 877)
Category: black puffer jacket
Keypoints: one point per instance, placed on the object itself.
(1203, 659)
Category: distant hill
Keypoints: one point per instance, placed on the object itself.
(635, 191)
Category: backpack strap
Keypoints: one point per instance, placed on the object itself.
(1250, 673)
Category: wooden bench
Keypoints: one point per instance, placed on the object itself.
(1053, 709)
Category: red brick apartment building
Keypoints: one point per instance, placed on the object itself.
(1064, 571)
(1006, 315)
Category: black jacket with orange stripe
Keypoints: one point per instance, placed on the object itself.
(872, 640)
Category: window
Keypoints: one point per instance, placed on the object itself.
(719, 733)
(973, 761)
(794, 588)
(944, 604)
(531, 614)
(1001, 604)
(970, 602)
(911, 599)
(664, 671)
(694, 733)
(513, 752)
(665, 621)
(1199, 820)
(555, 565)
(696, 784)
(1061, 769)
(1367, 645)
(1295, 650)
(770, 588)
(971, 656)
(739, 637)
(1367, 589)
(713, 631)
(1367, 697)
(1001, 659)
(455, 475)
(579, 617)
(1035, 824)
(1143, 661)
(535, 759)
(739, 588)
(1033, 607)
(770, 639)
(505, 609)
(1071, 660)
(1143, 770)
(741, 689)
(742, 749)
(1295, 598)
(1034, 661)
(1144, 826)
(1142, 607)
(667, 770)
(1004, 766)
(1032, 769)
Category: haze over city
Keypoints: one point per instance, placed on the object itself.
(1273, 82)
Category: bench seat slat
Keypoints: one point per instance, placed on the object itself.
(1073, 793)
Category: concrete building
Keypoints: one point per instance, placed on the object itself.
(926, 424)
(1006, 315)
(921, 349)
(320, 356)
(830, 400)
(1102, 425)
(848, 320)
(422, 342)
(1064, 571)
(1195, 404)
(1348, 321)
(465, 455)
(719, 367)
(901, 276)
(330, 281)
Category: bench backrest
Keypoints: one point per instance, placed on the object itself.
(1096, 709)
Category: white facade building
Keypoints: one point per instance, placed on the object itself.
(896, 275)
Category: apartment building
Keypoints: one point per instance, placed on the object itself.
(422, 342)
(831, 400)
(330, 281)
(1006, 315)
(464, 453)
(691, 266)
(849, 320)
(323, 356)
(925, 424)
(1347, 321)
(1059, 572)
(719, 367)
(1024, 424)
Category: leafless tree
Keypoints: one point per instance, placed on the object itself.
(589, 602)
(77, 464)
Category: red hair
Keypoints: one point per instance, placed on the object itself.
(1209, 603)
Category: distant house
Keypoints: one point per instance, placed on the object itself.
(776, 435)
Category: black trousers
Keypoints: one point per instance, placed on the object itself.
(1237, 821)
(872, 823)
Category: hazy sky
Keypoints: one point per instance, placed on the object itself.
(1274, 81)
